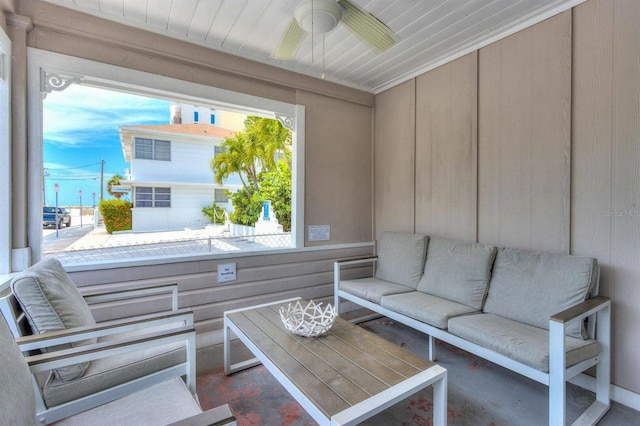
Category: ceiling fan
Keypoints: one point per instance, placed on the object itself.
(321, 16)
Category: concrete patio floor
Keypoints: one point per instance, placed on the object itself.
(479, 392)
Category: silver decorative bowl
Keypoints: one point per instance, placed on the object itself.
(308, 320)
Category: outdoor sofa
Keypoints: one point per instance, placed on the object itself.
(531, 312)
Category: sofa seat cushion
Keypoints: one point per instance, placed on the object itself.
(372, 289)
(521, 342)
(105, 373)
(424, 307)
(530, 287)
(401, 258)
(51, 301)
(458, 271)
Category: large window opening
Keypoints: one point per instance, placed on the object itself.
(5, 154)
(158, 184)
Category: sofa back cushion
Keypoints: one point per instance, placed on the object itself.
(401, 257)
(52, 302)
(458, 271)
(530, 287)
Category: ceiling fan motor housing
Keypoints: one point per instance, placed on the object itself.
(318, 16)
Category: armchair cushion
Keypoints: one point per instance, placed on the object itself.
(105, 373)
(401, 258)
(164, 403)
(51, 302)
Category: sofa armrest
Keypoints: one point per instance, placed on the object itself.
(106, 296)
(581, 310)
(53, 338)
(65, 357)
(218, 416)
(337, 267)
(355, 260)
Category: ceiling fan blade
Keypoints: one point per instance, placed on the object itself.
(290, 41)
(367, 27)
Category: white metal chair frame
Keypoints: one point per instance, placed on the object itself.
(183, 331)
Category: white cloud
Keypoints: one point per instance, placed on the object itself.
(82, 115)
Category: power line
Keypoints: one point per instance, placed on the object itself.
(71, 168)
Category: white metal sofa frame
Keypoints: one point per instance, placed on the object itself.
(16, 319)
(595, 307)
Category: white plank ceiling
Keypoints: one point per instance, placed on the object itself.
(431, 32)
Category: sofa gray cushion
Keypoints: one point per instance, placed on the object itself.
(401, 258)
(17, 403)
(521, 342)
(105, 373)
(530, 287)
(458, 271)
(372, 289)
(424, 307)
(52, 302)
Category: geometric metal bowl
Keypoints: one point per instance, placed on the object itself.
(309, 320)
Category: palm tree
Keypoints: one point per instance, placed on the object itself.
(114, 181)
(234, 159)
(273, 139)
(257, 147)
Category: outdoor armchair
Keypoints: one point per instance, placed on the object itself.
(47, 314)
(167, 402)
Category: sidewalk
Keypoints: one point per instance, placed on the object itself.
(100, 238)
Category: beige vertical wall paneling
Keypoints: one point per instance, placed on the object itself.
(446, 145)
(338, 140)
(394, 177)
(606, 158)
(524, 143)
(625, 238)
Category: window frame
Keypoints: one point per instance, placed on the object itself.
(41, 64)
(153, 200)
(5, 155)
(223, 194)
(154, 151)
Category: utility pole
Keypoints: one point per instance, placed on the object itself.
(101, 179)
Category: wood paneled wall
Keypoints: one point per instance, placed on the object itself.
(339, 168)
(446, 150)
(394, 159)
(525, 130)
(558, 151)
(605, 199)
(261, 279)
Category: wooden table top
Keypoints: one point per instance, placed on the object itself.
(335, 371)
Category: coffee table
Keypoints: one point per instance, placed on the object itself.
(340, 378)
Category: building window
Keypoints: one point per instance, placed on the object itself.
(195, 116)
(217, 150)
(221, 196)
(213, 119)
(152, 149)
(147, 196)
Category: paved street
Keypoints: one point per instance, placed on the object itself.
(66, 236)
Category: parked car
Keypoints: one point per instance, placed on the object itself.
(49, 217)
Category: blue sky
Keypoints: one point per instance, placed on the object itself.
(80, 128)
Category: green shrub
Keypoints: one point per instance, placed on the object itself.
(116, 215)
(275, 186)
(214, 213)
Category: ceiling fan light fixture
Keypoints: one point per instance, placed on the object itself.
(318, 16)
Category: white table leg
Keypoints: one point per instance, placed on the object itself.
(440, 401)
